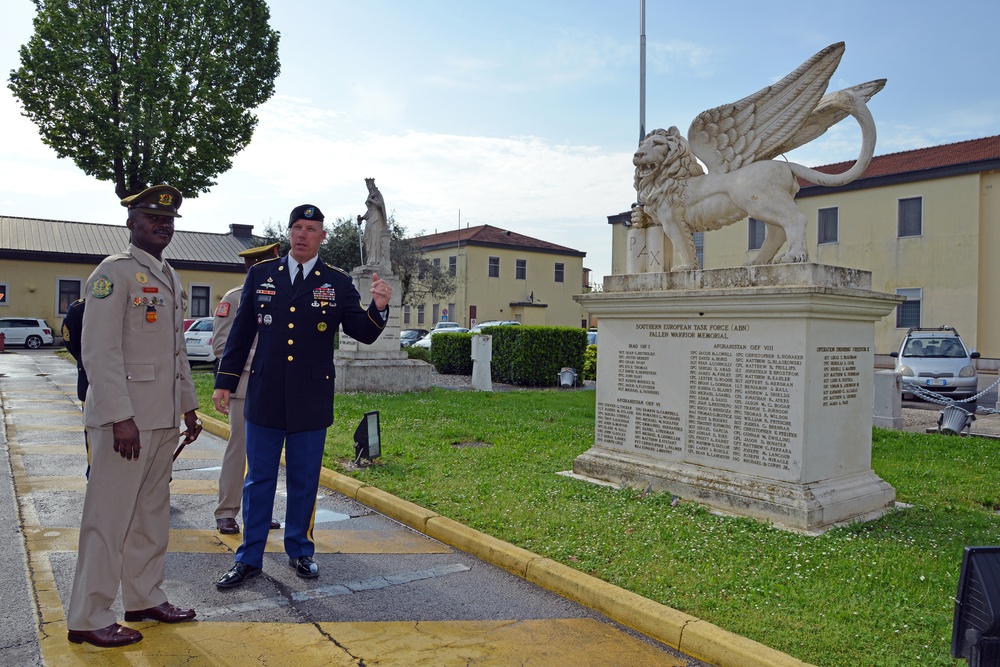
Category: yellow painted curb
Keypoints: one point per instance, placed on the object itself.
(648, 617)
(405, 512)
(214, 426)
(688, 634)
(485, 547)
(716, 646)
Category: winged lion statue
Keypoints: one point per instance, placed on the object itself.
(737, 143)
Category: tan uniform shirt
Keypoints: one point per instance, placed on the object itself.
(135, 353)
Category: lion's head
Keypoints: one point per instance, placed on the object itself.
(663, 160)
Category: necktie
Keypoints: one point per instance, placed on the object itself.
(298, 278)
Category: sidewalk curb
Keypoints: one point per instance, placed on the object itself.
(688, 634)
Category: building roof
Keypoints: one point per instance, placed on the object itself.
(962, 157)
(491, 237)
(82, 242)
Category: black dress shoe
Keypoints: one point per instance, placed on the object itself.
(275, 525)
(227, 526)
(236, 575)
(305, 567)
(109, 637)
(164, 613)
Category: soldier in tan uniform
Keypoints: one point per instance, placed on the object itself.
(234, 461)
(140, 385)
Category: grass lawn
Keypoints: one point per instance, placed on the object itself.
(879, 593)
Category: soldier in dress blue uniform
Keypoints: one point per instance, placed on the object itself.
(294, 306)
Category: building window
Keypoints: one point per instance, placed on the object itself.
(911, 216)
(4, 291)
(453, 266)
(200, 301)
(908, 312)
(437, 264)
(420, 315)
(699, 248)
(756, 236)
(560, 272)
(69, 291)
(520, 269)
(494, 270)
(435, 313)
(829, 224)
(406, 314)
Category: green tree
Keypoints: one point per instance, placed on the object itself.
(140, 92)
(419, 277)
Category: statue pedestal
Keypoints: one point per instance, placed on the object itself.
(749, 390)
(381, 366)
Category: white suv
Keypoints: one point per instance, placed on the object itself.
(30, 332)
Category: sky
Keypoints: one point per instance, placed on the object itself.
(524, 114)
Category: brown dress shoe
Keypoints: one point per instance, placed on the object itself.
(109, 637)
(164, 613)
(227, 526)
(274, 524)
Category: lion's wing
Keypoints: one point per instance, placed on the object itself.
(763, 125)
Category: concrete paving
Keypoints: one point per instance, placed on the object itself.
(399, 585)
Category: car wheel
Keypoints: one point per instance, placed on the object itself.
(33, 342)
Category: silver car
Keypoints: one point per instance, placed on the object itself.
(937, 360)
(198, 338)
(31, 332)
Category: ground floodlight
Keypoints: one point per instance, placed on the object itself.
(975, 635)
(954, 420)
(567, 377)
(368, 438)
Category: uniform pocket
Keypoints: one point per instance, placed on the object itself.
(140, 372)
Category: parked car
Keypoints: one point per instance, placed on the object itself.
(494, 323)
(937, 360)
(31, 332)
(198, 338)
(425, 342)
(408, 337)
(447, 325)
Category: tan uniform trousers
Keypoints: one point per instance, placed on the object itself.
(124, 529)
(234, 463)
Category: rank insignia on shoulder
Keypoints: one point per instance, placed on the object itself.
(102, 287)
(223, 309)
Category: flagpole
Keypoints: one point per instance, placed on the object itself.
(642, 70)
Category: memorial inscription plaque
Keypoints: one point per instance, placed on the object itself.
(756, 400)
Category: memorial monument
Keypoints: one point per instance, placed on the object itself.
(381, 366)
(748, 389)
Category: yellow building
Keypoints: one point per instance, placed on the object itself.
(44, 264)
(502, 275)
(926, 223)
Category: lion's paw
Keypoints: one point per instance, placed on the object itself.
(793, 258)
(685, 267)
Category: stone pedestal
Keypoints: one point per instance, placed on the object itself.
(748, 389)
(381, 366)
